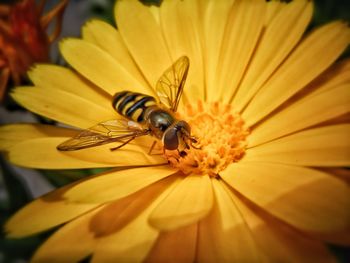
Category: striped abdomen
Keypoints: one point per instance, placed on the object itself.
(132, 105)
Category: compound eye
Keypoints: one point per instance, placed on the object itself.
(184, 125)
(171, 141)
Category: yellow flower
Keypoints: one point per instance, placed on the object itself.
(267, 106)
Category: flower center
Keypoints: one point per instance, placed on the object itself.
(221, 139)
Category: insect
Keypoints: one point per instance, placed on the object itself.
(143, 115)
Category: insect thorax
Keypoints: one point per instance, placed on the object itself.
(158, 120)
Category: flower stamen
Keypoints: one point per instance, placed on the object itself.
(220, 136)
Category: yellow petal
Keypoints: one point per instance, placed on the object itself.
(131, 244)
(132, 154)
(12, 134)
(223, 235)
(326, 146)
(309, 111)
(154, 10)
(337, 75)
(56, 77)
(341, 173)
(108, 38)
(280, 37)
(34, 145)
(117, 184)
(317, 52)
(62, 106)
(116, 215)
(143, 37)
(294, 194)
(341, 238)
(278, 241)
(273, 8)
(190, 201)
(99, 67)
(71, 243)
(42, 153)
(134, 241)
(214, 22)
(181, 29)
(175, 246)
(243, 28)
(44, 213)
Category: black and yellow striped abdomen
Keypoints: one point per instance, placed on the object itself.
(132, 105)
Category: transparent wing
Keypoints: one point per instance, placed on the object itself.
(102, 133)
(170, 86)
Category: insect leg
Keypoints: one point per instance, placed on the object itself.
(193, 140)
(182, 153)
(124, 143)
(152, 147)
(135, 135)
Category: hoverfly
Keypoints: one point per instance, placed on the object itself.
(143, 115)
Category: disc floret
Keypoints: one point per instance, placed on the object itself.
(221, 139)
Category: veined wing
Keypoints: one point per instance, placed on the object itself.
(105, 132)
(170, 86)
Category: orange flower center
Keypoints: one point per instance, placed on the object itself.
(221, 139)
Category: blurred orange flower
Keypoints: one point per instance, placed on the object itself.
(23, 38)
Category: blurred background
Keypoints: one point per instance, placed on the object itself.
(18, 186)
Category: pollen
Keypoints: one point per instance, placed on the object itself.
(220, 136)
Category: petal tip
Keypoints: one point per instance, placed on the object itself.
(67, 43)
